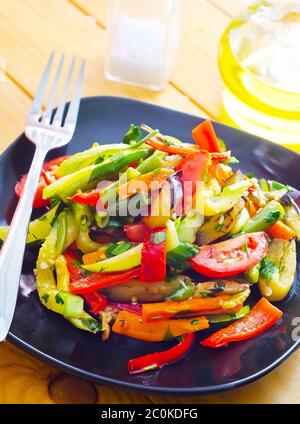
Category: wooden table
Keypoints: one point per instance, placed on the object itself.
(30, 29)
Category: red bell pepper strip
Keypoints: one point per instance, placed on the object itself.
(193, 168)
(174, 149)
(155, 361)
(72, 259)
(91, 198)
(96, 301)
(136, 232)
(261, 317)
(154, 257)
(47, 177)
(97, 281)
(205, 137)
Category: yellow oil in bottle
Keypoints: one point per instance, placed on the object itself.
(259, 61)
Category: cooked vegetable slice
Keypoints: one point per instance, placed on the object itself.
(194, 306)
(231, 257)
(265, 218)
(281, 231)
(131, 325)
(95, 301)
(278, 269)
(261, 317)
(292, 219)
(220, 287)
(194, 168)
(157, 360)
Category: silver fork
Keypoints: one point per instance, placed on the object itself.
(47, 133)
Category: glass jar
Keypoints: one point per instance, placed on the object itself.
(143, 38)
(260, 64)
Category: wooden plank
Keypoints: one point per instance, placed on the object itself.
(196, 72)
(58, 25)
(14, 106)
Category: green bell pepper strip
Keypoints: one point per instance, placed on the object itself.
(229, 197)
(151, 163)
(39, 228)
(68, 185)
(219, 318)
(61, 226)
(264, 218)
(83, 159)
(184, 292)
(188, 227)
(252, 274)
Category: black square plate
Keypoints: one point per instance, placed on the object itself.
(204, 370)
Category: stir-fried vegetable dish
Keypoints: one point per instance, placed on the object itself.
(158, 239)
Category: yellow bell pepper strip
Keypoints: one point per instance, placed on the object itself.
(142, 183)
(154, 265)
(264, 218)
(68, 185)
(38, 229)
(47, 254)
(229, 197)
(160, 211)
(125, 261)
(194, 306)
(64, 303)
(72, 229)
(261, 317)
(62, 274)
(205, 137)
(132, 325)
(157, 360)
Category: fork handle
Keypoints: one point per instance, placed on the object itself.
(12, 252)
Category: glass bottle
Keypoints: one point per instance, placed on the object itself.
(143, 38)
(260, 64)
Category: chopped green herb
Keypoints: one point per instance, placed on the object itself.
(194, 322)
(273, 217)
(91, 324)
(268, 269)
(133, 134)
(59, 299)
(219, 227)
(245, 247)
(45, 297)
(76, 263)
(43, 218)
(250, 175)
(218, 287)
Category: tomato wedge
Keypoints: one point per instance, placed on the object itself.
(231, 257)
(136, 232)
(261, 317)
(193, 168)
(47, 177)
(154, 257)
(205, 137)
